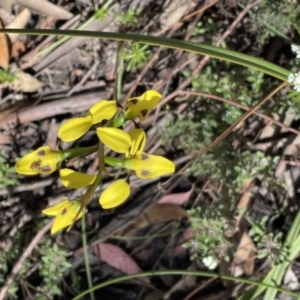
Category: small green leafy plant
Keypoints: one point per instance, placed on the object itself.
(135, 56)
(6, 76)
(210, 241)
(7, 173)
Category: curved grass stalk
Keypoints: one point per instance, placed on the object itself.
(214, 52)
(182, 272)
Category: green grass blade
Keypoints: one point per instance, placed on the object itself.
(181, 272)
(215, 52)
(276, 275)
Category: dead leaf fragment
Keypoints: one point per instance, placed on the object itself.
(243, 262)
(17, 48)
(173, 11)
(115, 257)
(185, 283)
(24, 82)
(4, 53)
(179, 198)
(7, 4)
(157, 213)
(18, 22)
(46, 8)
(186, 236)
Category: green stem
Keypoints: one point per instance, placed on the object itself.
(114, 162)
(118, 122)
(86, 258)
(215, 52)
(71, 153)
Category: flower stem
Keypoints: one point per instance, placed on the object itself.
(71, 153)
(86, 258)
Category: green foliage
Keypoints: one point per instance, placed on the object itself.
(208, 27)
(209, 226)
(255, 165)
(53, 264)
(128, 18)
(269, 245)
(7, 173)
(272, 18)
(6, 76)
(136, 56)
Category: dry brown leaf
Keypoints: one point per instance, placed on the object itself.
(19, 22)
(174, 10)
(178, 198)
(115, 257)
(46, 8)
(154, 295)
(24, 82)
(4, 53)
(186, 236)
(185, 283)
(157, 213)
(17, 48)
(243, 262)
(7, 4)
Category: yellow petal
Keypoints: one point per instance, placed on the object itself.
(149, 166)
(115, 194)
(114, 138)
(75, 180)
(141, 106)
(75, 128)
(41, 161)
(138, 141)
(103, 110)
(54, 210)
(66, 215)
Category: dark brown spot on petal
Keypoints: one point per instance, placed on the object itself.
(144, 156)
(145, 172)
(133, 101)
(36, 165)
(46, 169)
(64, 211)
(41, 153)
(144, 112)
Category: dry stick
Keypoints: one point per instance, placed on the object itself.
(199, 13)
(244, 108)
(199, 288)
(206, 58)
(227, 131)
(178, 55)
(147, 67)
(155, 56)
(17, 267)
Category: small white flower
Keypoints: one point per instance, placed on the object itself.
(210, 262)
(296, 49)
(294, 78)
(291, 77)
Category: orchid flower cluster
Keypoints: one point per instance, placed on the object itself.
(129, 147)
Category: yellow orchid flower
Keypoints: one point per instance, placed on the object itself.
(75, 180)
(138, 141)
(122, 142)
(147, 166)
(115, 194)
(141, 106)
(41, 161)
(75, 128)
(64, 213)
